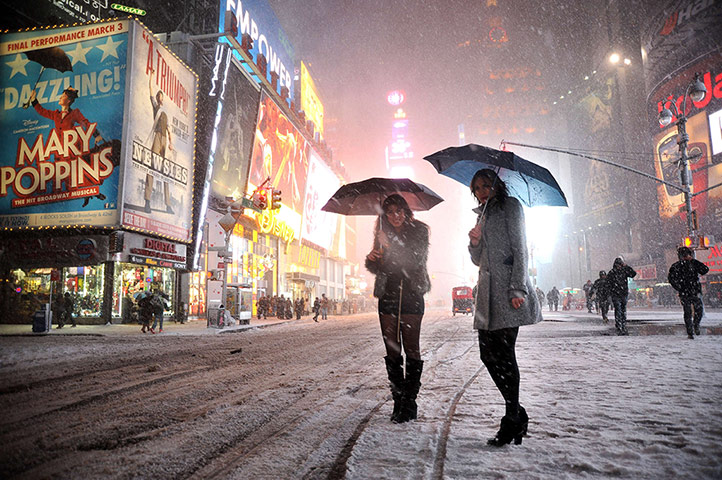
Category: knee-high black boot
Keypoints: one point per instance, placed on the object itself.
(395, 369)
(412, 384)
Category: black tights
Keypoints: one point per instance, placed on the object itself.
(410, 333)
(497, 353)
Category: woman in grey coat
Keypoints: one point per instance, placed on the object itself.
(505, 298)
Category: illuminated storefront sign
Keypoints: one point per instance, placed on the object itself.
(310, 103)
(319, 227)
(151, 251)
(271, 222)
(309, 257)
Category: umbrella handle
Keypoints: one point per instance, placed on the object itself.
(27, 104)
(398, 317)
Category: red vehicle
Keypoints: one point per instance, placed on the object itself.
(462, 300)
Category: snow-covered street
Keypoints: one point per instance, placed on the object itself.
(308, 400)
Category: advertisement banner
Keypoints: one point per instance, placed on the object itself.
(235, 136)
(279, 152)
(159, 141)
(689, 26)
(600, 191)
(61, 124)
(61, 251)
(319, 227)
(310, 103)
(256, 18)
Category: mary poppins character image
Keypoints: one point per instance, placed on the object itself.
(66, 118)
(505, 297)
(398, 260)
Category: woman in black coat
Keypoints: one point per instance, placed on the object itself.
(398, 259)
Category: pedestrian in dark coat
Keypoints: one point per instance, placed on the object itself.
(316, 309)
(588, 295)
(619, 291)
(505, 299)
(553, 298)
(600, 292)
(398, 260)
(684, 277)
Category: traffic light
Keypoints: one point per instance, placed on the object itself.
(276, 200)
(215, 275)
(705, 241)
(262, 202)
(687, 242)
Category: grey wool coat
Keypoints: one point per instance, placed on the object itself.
(503, 269)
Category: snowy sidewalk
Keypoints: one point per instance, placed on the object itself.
(600, 406)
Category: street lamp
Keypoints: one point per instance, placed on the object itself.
(696, 91)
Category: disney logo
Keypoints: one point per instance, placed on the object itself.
(27, 123)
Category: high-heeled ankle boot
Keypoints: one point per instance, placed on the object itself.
(512, 428)
(395, 370)
(412, 384)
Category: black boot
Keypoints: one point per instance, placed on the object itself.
(512, 428)
(395, 369)
(412, 384)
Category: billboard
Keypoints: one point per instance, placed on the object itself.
(256, 18)
(159, 142)
(279, 152)
(319, 227)
(310, 103)
(63, 93)
(686, 26)
(235, 136)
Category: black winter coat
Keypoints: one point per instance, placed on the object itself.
(600, 289)
(684, 277)
(404, 259)
(617, 280)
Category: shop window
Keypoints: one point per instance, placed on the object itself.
(85, 285)
(131, 279)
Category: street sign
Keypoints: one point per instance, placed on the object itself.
(248, 203)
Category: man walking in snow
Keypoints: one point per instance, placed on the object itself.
(588, 295)
(684, 277)
(619, 290)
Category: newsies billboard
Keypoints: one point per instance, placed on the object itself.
(63, 96)
(75, 146)
(159, 140)
(683, 38)
(257, 19)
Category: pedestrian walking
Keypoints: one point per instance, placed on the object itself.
(398, 260)
(324, 307)
(684, 277)
(58, 309)
(600, 292)
(619, 291)
(316, 309)
(158, 302)
(145, 310)
(588, 295)
(540, 295)
(553, 298)
(505, 298)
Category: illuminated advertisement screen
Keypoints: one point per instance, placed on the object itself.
(60, 153)
(235, 136)
(310, 103)
(279, 152)
(257, 18)
(686, 26)
(319, 227)
(160, 141)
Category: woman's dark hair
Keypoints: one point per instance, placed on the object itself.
(497, 184)
(382, 222)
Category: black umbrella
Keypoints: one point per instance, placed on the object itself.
(532, 184)
(365, 197)
(51, 57)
